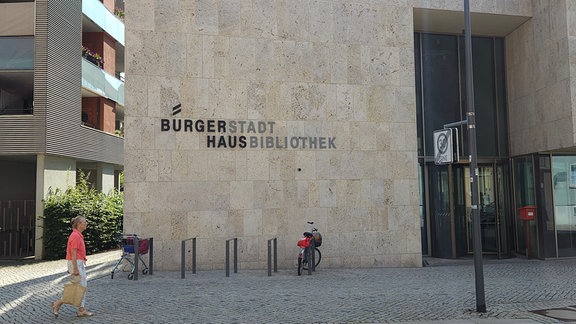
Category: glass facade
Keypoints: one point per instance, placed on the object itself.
(489, 96)
(508, 188)
(564, 191)
(440, 78)
(524, 194)
(545, 208)
(16, 53)
(441, 91)
(546, 183)
(441, 100)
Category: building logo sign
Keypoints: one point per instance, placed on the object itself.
(253, 134)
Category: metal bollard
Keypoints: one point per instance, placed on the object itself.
(269, 258)
(228, 256)
(183, 260)
(275, 240)
(313, 254)
(194, 256)
(235, 255)
(136, 243)
(275, 255)
(309, 258)
(151, 256)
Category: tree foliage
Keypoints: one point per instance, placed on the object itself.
(104, 213)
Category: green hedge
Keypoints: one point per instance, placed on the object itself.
(104, 213)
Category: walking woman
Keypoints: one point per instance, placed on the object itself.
(76, 256)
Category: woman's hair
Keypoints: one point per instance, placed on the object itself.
(76, 220)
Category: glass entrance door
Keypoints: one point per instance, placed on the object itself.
(450, 207)
(488, 214)
(491, 188)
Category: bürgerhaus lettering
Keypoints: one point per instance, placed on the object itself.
(217, 126)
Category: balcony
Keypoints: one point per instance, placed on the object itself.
(97, 81)
(98, 15)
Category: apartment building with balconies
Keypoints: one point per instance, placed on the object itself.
(61, 108)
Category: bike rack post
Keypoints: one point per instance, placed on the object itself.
(228, 256)
(312, 254)
(136, 243)
(275, 240)
(309, 253)
(151, 256)
(235, 255)
(183, 261)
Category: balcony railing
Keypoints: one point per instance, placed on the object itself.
(98, 81)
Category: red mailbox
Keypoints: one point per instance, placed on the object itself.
(527, 213)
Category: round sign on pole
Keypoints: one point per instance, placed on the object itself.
(443, 149)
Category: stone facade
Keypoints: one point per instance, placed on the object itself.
(539, 66)
(333, 69)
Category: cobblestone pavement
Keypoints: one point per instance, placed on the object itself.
(442, 292)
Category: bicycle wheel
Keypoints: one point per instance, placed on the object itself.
(317, 258)
(300, 266)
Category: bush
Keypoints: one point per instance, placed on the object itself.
(104, 213)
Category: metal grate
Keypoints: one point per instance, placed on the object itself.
(17, 228)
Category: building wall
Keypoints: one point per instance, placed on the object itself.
(91, 111)
(538, 58)
(94, 41)
(109, 4)
(338, 69)
(311, 68)
(108, 116)
(58, 81)
(106, 176)
(52, 173)
(17, 19)
(571, 27)
(55, 127)
(57, 107)
(109, 53)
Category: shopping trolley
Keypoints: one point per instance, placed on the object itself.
(128, 254)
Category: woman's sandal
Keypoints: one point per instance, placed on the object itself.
(84, 314)
(54, 309)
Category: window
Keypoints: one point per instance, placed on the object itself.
(441, 91)
(16, 75)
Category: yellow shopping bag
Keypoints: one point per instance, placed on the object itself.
(73, 294)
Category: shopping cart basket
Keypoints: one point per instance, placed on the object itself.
(128, 254)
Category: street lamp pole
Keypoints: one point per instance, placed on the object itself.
(471, 118)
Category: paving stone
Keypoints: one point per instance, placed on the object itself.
(442, 292)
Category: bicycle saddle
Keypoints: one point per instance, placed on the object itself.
(308, 234)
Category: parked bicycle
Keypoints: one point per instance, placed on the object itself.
(309, 255)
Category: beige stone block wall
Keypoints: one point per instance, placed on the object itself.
(323, 68)
(340, 69)
(333, 68)
(540, 90)
(571, 25)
